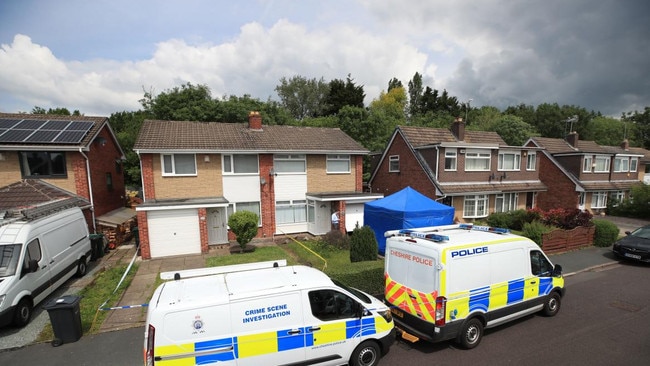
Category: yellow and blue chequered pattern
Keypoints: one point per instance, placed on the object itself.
(269, 342)
(461, 304)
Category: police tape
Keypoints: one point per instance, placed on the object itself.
(125, 307)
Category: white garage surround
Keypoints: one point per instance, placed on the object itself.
(173, 232)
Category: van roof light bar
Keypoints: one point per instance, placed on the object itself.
(490, 229)
(421, 235)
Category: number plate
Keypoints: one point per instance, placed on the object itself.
(633, 256)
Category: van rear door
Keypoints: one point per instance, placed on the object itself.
(411, 281)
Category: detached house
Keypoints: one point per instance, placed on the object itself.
(51, 157)
(473, 171)
(195, 174)
(585, 175)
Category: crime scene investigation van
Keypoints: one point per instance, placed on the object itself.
(40, 248)
(264, 313)
(453, 281)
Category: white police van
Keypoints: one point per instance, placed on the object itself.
(453, 281)
(264, 313)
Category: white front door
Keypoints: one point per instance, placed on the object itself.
(581, 201)
(217, 230)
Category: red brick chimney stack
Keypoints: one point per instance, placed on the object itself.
(458, 129)
(625, 145)
(255, 120)
(572, 139)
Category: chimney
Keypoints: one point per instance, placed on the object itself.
(458, 129)
(572, 139)
(625, 145)
(255, 121)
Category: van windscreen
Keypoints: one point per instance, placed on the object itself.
(9, 255)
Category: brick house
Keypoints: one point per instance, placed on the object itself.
(584, 175)
(76, 154)
(473, 171)
(195, 174)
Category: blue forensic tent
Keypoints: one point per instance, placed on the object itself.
(405, 209)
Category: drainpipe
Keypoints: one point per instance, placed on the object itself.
(90, 190)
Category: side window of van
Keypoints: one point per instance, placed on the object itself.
(331, 305)
(33, 252)
(539, 265)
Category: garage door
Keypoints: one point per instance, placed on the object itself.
(174, 232)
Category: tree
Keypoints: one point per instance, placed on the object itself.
(303, 97)
(415, 95)
(244, 225)
(126, 126)
(59, 111)
(394, 83)
(185, 103)
(342, 93)
(606, 131)
(639, 124)
(513, 130)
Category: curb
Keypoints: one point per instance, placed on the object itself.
(598, 266)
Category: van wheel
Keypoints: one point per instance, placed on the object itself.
(82, 267)
(367, 354)
(471, 334)
(22, 313)
(552, 304)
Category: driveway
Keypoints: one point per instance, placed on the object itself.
(624, 224)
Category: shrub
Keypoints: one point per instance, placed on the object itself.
(335, 239)
(244, 225)
(636, 205)
(363, 245)
(567, 218)
(534, 230)
(500, 219)
(606, 233)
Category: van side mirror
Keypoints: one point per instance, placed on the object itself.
(557, 270)
(33, 265)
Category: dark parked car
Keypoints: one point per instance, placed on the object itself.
(635, 246)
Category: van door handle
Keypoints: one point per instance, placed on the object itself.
(412, 296)
(294, 331)
(313, 329)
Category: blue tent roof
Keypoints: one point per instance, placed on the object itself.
(405, 209)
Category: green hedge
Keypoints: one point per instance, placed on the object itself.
(606, 233)
(367, 276)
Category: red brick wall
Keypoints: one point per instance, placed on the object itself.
(143, 232)
(410, 174)
(146, 160)
(203, 229)
(267, 204)
(102, 159)
(561, 191)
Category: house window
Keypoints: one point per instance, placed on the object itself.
(393, 164)
(601, 164)
(240, 164)
(178, 164)
(634, 163)
(617, 197)
(531, 161)
(291, 212)
(311, 211)
(586, 164)
(338, 163)
(506, 202)
(475, 206)
(451, 159)
(599, 200)
(477, 160)
(581, 199)
(290, 163)
(621, 164)
(253, 207)
(42, 164)
(109, 182)
(509, 161)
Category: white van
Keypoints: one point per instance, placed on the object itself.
(37, 255)
(263, 313)
(453, 281)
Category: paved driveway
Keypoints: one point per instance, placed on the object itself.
(624, 224)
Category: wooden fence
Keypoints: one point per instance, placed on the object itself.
(560, 240)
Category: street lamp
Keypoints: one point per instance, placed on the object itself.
(467, 108)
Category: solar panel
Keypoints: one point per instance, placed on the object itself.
(8, 123)
(43, 131)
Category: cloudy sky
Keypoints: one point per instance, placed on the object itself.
(99, 56)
